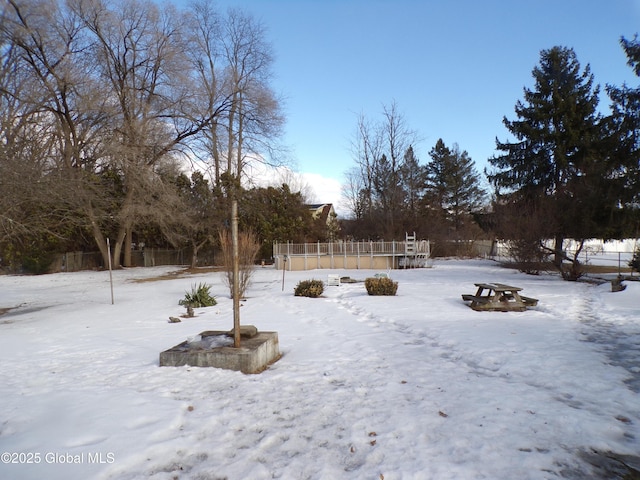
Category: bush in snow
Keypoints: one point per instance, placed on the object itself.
(309, 288)
(380, 286)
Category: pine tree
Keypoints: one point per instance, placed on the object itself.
(625, 128)
(413, 181)
(202, 216)
(453, 184)
(556, 163)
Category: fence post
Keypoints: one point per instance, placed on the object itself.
(110, 274)
(330, 252)
(393, 254)
(371, 254)
(344, 262)
(284, 267)
(288, 253)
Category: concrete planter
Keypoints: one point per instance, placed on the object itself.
(254, 355)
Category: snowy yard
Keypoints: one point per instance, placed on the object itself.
(416, 386)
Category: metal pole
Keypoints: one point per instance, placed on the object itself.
(284, 267)
(110, 275)
(236, 273)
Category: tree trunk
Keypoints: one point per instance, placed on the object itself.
(101, 242)
(117, 247)
(194, 254)
(231, 139)
(236, 273)
(127, 248)
(558, 255)
(215, 152)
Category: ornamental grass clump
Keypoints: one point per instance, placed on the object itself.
(309, 288)
(380, 286)
(199, 296)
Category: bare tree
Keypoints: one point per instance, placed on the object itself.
(111, 96)
(152, 109)
(51, 88)
(379, 151)
(352, 191)
(233, 61)
(366, 149)
(205, 55)
(254, 119)
(17, 161)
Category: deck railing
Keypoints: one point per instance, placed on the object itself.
(352, 248)
(380, 254)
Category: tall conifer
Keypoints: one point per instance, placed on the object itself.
(556, 162)
(453, 184)
(625, 128)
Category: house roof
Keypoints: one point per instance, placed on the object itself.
(321, 210)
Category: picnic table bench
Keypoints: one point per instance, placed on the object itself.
(499, 297)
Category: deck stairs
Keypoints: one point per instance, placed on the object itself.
(416, 254)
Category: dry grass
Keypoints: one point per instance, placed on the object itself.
(606, 269)
(180, 274)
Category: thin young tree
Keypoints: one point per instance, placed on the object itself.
(252, 121)
(248, 248)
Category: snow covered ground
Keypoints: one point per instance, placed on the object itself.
(416, 386)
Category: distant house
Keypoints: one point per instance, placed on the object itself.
(323, 211)
(327, 215)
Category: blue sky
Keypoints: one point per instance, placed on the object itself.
(454, 68)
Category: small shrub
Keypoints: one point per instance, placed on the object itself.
(200, 296)
(37, 263)
(309, 288)
(248, 247)
(381, 286)
(528, 256)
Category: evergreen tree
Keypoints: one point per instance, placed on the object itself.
(413, 181)
(556, 163)
(625, 128)
(453, 185)
(203, 216)
(276, 214)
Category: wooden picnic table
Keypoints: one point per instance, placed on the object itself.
(499, 297)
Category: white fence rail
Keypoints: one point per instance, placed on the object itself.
(350, 248)
(380, 254)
